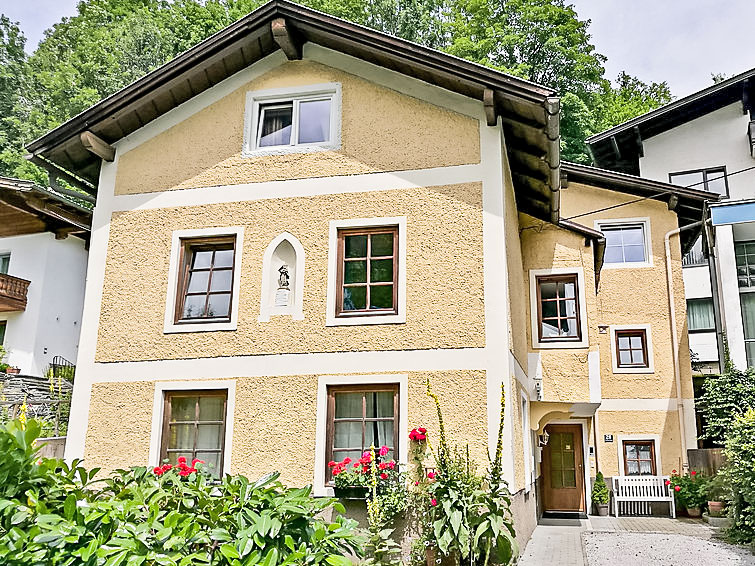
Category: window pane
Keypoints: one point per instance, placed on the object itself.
(276, 125)
(209, 436)
(569, 327)
(548, 289)
(700, 314)
(381, 270)
(381, 296)
(646, 468)
(644, 451)
(557, 481)
(636, 342)
(211, 408)
(568, 308)
(355, 272)
(211, 462)
(716, 182)
(348, 405)
(625, 358)
(221, 280)
(688, 180)
(194, 306)
(379, 404)
(614, 254)
(633, 235)
(623, 342)
(630, 451)
(219, 305)
(634, 253)
(314, 121)
(549, 330)
(638, 358)
(181, 436)
(748, 314)
(354, 298)
(633, 468)
(198, 282)
(378, 434)
(202, 259)
(223, 258)
(174, 456)
(382, 244)
(347, 435)
(570, 478)
(356, 246)
(550, 309)
(4, 263)
(183, 408)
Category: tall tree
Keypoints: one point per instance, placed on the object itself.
(12, 66)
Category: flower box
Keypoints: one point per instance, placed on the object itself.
(351, 492)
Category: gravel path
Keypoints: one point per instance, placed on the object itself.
(612, 549)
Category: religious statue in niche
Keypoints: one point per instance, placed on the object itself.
(283, 294)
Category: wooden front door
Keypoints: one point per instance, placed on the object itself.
(563, 469)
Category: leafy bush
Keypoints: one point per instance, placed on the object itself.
(691, 489)
(53, 514)
(740, 472)
(600, 494)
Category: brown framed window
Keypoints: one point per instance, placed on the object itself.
(631, 349)
(367, 271)
(639, 458)
(558, 308)
(205, 282)
(360, 416)
(194, 427)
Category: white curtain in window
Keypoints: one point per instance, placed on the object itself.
(700, 314)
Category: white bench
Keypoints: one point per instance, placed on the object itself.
(636, 493)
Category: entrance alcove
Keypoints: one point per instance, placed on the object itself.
(282, 278)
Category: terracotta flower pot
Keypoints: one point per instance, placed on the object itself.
(694, 512)
(716, 508)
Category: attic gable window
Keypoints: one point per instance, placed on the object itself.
(293, 121)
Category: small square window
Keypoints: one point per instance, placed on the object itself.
(631, 349)
(194, 425)
(625, 244)
(205, 281)
(294, 122)
(558, 308)
(639, 458)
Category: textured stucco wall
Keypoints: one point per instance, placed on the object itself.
(275, 421)
(393, 132)
(444, 276)
(665, 424)
(637, 295)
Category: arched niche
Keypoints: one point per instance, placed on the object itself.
(283, 278)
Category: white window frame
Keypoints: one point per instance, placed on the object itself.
(559, 344)
(648, 339)
(654, 438)
(158, 406)
(628, 222)
(256, 99)
(402, 379)
(330, 318)
(169, 325)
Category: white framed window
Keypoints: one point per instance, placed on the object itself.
(558, 310)
(351, 385)
(293, 120)
(631, 348)
(639, 454)
(220, 407)
(627, 242)
(199, 274)
(367, 271)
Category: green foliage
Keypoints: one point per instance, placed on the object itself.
(719, 489)
(381, 549)
(600, 493)
(693, 489)
(724, 398)
(53, 514)
(740, 473)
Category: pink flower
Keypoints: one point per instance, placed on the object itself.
(366, 454)
(383, 476)
(673, 472)
(668, 482)
(677, 488)
(433, 502)
(158, 471)
(431, 475)
(416, 483)
(383, 450)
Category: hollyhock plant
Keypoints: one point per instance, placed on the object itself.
(418, 434)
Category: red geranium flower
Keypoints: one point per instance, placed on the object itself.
(433, 502)
(673, 471)
(331, 464)
(677, 488)
(693, 473)
(668, 482)
(158, 471)
(431, 475)
(181, 460)
(383, 476)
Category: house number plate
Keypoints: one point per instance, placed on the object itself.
(608, 438)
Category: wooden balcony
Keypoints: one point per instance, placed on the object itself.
(12, 293)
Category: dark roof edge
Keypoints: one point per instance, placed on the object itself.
(589, 233)
(694, 97)
(412, 52)
(24, 185)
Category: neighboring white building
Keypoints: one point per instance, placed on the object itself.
(705, 141)
(43, 258)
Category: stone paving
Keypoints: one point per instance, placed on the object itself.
(604, 541)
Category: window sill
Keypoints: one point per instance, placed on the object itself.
(198, 327)
(637, 265)
(359, 320)
(632, 371)
(289, 149)
(560, 345)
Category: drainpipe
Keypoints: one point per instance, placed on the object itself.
(675, 338)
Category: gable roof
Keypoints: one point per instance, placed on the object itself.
(619, 148)
(529, 112)
(27, 208)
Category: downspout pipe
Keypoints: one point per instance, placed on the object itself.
(675, 338)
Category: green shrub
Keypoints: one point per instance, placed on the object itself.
(740, 472)
(53, 514)
(691, 489)
(600, 493)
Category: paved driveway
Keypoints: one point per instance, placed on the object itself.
(607, 541)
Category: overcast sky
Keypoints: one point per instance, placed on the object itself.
(679, 41)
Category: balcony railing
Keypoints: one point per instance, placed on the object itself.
(694, 257)
(12, 293)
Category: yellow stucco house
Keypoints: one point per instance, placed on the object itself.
(300, 220)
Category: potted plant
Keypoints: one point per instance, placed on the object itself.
(351, 479)
(600, 495)
(691, 491)
(719, 494)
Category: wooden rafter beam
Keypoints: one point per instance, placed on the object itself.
(96, 145)
(488, 101)
(286, 38)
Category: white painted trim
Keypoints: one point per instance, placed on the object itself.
(291, 188)
(526, 442)
(295, 310)
(322, 417)
(665, 405)
(648, 338)
(656, 438)
(157, 415)
(614, 223)
(169, 326)
(296, 94)
(579, 272)
(585, 456)
(593, 373)
(335, 225)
